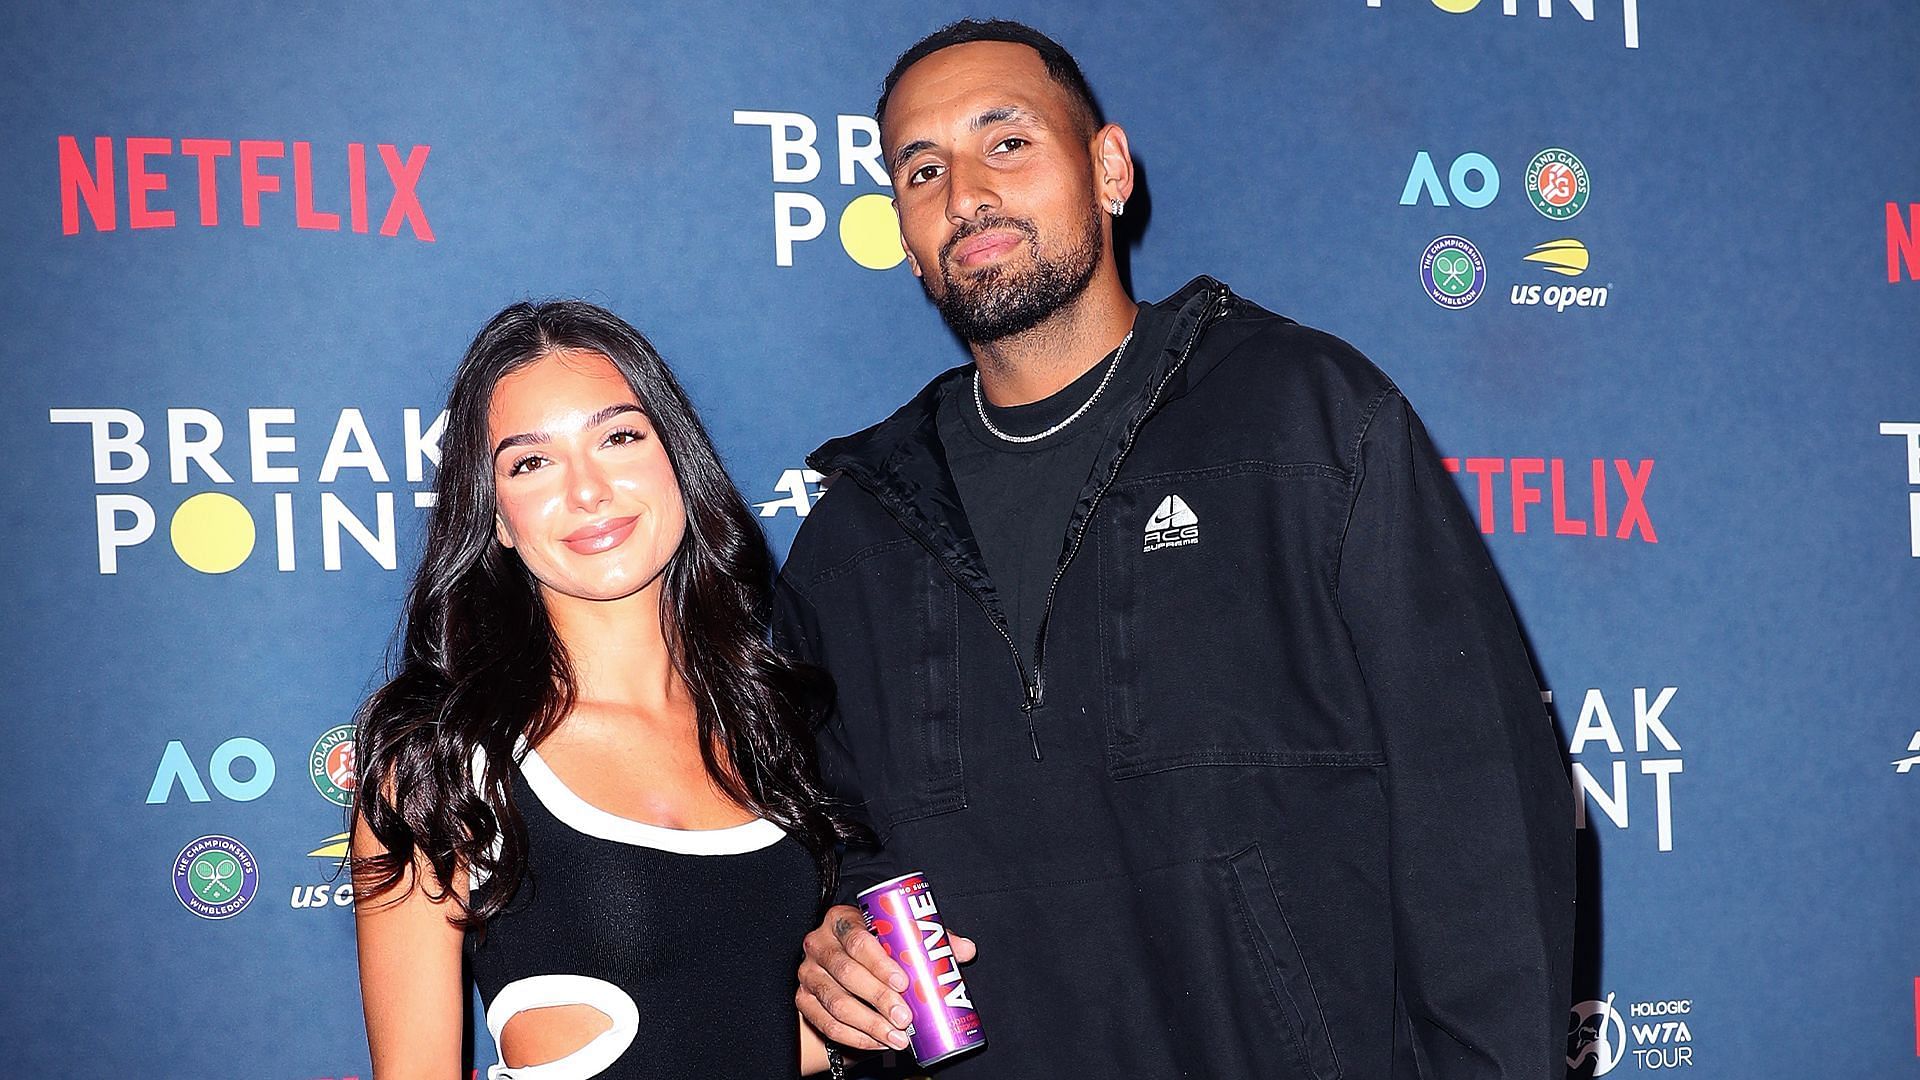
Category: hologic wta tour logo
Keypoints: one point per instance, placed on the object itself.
(330, 765)
(1557, 183)
(1600, 1039)
(1453, 272)
(215, 877)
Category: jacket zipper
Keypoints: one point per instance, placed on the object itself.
(1036, 690)
(1034, 687)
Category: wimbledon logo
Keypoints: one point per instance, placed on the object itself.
(1453, 272)
(330, 765)
(1557, 183)
(215, 877)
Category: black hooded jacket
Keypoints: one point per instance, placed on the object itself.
(1277, 797)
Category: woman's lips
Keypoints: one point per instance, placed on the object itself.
(602, 536)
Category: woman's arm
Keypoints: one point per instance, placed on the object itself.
(410, 978)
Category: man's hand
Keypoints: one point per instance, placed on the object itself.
(850, 989)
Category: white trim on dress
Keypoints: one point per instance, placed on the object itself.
(542, 991)
(581, 816)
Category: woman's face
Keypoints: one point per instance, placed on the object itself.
(584, 490)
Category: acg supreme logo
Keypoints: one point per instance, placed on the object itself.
(869, 228)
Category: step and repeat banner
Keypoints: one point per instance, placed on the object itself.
(1648, 269)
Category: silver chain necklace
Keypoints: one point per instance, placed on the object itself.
(980, 401)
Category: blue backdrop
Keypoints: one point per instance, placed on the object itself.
(1670, 255)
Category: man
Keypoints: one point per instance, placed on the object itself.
(1167, 649)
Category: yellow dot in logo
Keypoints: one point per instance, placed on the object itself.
(1457, 7)
(870, 231)
(212, 532)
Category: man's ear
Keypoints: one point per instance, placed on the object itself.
(1112, 164)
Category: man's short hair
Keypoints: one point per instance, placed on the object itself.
(1061, 65)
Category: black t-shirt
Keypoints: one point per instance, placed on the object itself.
(1018, 497)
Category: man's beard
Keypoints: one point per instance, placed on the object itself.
(998, 302)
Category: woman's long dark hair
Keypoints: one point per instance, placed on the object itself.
(480, 667)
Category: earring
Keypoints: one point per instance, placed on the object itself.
(1116, 207)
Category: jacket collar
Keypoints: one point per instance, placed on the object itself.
(870, 454)
(902, 463)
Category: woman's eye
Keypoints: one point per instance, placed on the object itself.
(623, 436)
(526, 464)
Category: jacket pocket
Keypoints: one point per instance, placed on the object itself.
(1143, 973)
(1220, 643)
(889, 630)
(1290, 988)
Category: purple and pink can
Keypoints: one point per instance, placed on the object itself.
(902, 914)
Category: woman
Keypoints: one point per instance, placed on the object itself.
(591, 772)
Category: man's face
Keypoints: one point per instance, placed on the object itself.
(993, 179)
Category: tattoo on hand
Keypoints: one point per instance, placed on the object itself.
(842, 926)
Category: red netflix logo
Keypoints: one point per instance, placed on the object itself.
(1903, 242)
(1606, 485)
(92, 183)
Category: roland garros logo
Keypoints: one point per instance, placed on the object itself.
(331, 767)
(1557, 183)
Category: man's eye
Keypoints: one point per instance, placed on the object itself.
(1012, 142)
(923, 174)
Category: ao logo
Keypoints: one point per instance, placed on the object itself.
(1461, 180)
(1596, 1033)
(177, 770)
(869, 228)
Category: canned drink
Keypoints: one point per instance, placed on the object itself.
(902, 914)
